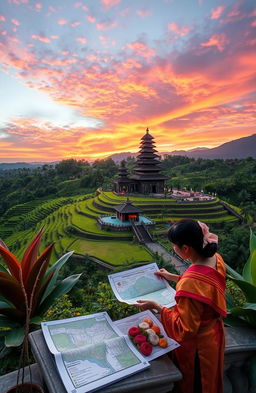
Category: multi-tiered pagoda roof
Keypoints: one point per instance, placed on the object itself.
(147, 165)
(146, 177)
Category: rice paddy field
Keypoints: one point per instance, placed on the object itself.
(71, 223)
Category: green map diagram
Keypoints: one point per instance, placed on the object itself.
(91, 350)
(141, 286)
(98, 361)
(80, 333)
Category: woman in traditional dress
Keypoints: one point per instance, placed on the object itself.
(196, 321)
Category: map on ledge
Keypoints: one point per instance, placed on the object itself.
(142, 283)
(90, 352)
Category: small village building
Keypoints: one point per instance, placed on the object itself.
(127, 211)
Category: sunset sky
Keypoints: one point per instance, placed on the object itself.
(83, 79)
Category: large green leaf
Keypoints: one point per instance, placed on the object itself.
(55, 268)
(249, 306)
(247, 314)
(63, 287)
(253, 266)
(233, 273)
(4, 303)
(252, 241)
(15, 337)
(6, 322)
(234, 321)
(249, 270)
(248, 289)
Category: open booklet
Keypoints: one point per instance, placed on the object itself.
(142, 283)
(90, 352)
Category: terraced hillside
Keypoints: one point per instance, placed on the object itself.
(72, 224)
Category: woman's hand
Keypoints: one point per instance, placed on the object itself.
(163, 273)
(148, 305)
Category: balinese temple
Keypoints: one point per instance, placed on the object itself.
(146, 177)
(127, 211)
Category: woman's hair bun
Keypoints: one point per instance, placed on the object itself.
(209, 250)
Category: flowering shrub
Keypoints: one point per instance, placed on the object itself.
(147, 335)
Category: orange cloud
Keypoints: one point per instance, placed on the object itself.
(216, 13)
(218, 40)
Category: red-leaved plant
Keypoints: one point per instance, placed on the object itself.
(27, 289)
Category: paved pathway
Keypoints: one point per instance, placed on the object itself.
(178, 264)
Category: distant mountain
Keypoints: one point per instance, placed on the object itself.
(118, 157)
(238, 148)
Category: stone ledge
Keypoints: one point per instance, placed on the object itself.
(9, 380)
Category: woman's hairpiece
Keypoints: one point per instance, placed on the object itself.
(208, 237)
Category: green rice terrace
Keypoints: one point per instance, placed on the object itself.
(71, 223)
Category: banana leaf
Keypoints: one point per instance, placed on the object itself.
(233, 273)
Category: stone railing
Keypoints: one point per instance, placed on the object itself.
(160, 377)
(240, 345)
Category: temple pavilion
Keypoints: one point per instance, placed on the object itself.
(146, 177)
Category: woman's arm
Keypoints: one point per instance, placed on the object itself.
(163, 273)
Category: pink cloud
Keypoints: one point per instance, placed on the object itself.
(38, 6)
(110, 3)
(41, 38)
(218, 40)
(91, 19)
(144, 13)
(55, 37)
(82, 40)
(75, 24)
(141, 49)
(62, 22)
(2, 18)
(216, 13)
(180, 31)
(15, 22)
(106, 25)
(253, 24)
